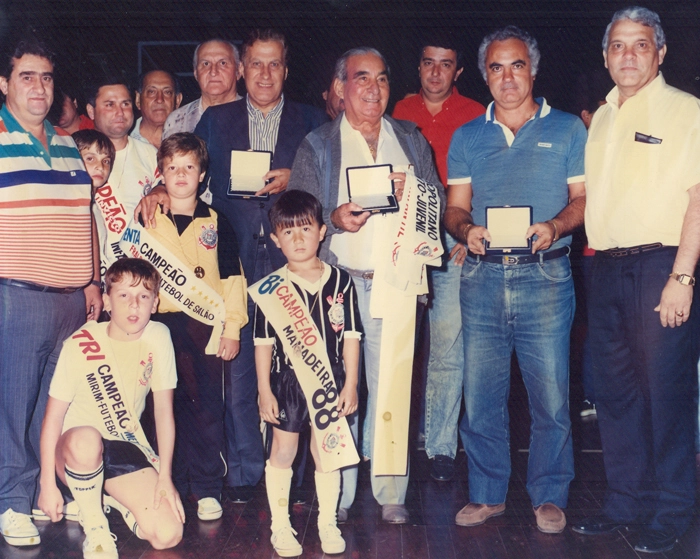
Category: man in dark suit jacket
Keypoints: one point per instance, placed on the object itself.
(264, 120)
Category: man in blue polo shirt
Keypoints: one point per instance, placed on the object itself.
(520, 153)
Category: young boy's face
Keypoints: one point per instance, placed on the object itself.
(130, 307)
(300, 242)
(182, 174)
(98, 165)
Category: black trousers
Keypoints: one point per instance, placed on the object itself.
(645, 379)
(198, 465)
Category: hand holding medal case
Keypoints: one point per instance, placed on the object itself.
(507, 226)
(371, 188)
(247, 171)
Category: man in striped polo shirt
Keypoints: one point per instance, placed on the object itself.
(48, 275)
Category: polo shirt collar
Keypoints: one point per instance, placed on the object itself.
(542, 112)
(200, 210)
(13, 126)
(448, 101)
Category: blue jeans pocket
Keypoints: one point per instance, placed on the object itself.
(558, 269)
(470, 266)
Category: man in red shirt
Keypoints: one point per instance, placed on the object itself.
(439, 110)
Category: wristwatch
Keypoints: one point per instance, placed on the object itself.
(683, 279)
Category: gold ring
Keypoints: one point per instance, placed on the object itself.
(679, 313)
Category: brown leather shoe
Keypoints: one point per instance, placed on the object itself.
(474, 514)
(550, 519)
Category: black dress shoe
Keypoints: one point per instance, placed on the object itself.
(241, 494)
(442, 468)
(655, 541)
(595, 525)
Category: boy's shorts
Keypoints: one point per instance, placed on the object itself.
(119, 458)
(294, 413)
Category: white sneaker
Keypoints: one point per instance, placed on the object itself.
(331, 539)
(17, 528)
(209, 509)
(129, 519)
(99, 544)
(71, 512)
(284, 542)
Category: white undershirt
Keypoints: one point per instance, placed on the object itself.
(356, 250)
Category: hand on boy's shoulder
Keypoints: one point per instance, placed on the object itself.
(148, 204)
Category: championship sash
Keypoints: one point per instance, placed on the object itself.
(411, 242)
(99, 370)
(115, 219)
(178, 283)
(306, 349)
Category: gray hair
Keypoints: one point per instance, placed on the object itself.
(234, 48)
(639, 15)
(510, 32)
(341, 66)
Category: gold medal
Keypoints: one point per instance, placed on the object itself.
(199, 272)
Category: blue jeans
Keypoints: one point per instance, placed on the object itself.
(33, 326)
(443, 388)
(244, 447)
(528, 308)
(646, 386)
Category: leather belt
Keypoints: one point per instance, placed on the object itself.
(515, 259)
(364, 274)
(37, 287)
(631, 251)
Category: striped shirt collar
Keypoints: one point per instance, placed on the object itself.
(13, 125)
(263, 130)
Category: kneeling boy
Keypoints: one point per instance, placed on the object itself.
(91, 436)
(318, 322)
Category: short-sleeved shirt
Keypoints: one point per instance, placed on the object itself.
(641, 159)
(438, 129)
(532, 168)
(45, 224)
(144, 364)
(333, 310)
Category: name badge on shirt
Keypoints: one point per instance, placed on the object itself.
(645, 139)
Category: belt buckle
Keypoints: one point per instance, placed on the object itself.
(509, 259)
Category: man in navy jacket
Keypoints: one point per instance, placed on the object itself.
(264, 120)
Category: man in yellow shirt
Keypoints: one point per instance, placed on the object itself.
(643, 219)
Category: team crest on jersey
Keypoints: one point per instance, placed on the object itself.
(147, 372)
(282, 416)
(336, 314)
(208, 237)
(146, 186)
(333, 440)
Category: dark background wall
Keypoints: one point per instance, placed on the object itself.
(93, 37)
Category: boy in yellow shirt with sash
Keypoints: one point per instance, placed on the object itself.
(91, 436)
(307, 348)
(204, 304)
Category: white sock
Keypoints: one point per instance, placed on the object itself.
(86, 488)
(278, 481)
(127, 515)
(327, 491)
